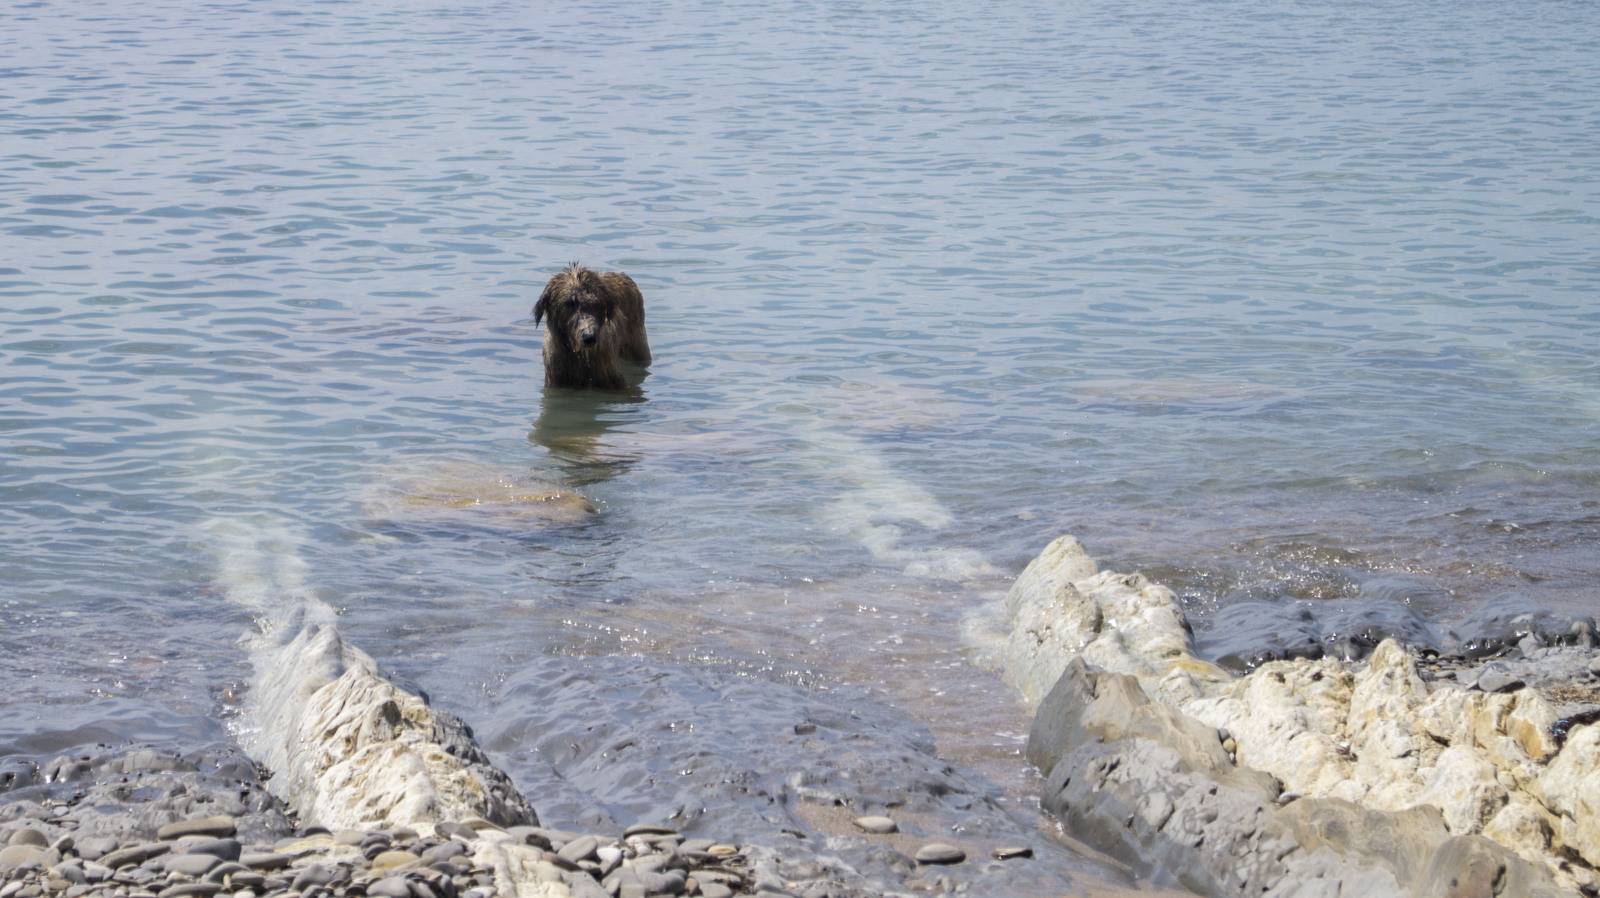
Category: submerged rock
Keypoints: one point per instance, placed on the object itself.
(1306, 775)
(458, 494)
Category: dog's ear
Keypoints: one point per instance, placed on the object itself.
(543, 305)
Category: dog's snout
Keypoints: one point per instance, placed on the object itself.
(589, 338)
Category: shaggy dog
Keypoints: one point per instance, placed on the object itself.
(595, 319)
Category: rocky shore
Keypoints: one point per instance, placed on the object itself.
(354, 786)
(1362, 760)
(91, 825)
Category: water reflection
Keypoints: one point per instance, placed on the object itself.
(573, 425)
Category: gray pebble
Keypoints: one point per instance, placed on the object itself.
(579, 849)
(875, 825)
(96, 847)
(940, 853)
(190, 890)
(648, 829)
(217, 827)
(191, 864)
(390, 887)
(715, 890)
(313, 875)
(249, 879)
(135, 853)
(29, 836)
(394, 860)
(1492, 680)
(264, 860)
(1006, 852)
(71, 871)
(227, 849)
(669, 883)
(649, 863)
(230, 869)
(444, 852)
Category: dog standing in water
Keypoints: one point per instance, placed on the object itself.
(595, 320)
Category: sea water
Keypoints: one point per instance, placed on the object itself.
(1271, 300)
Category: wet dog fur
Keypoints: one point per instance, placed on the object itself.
(595, 319)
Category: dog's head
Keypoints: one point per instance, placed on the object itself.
(579, 305)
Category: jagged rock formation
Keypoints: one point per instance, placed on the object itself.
(350, 750)
(1383, 776)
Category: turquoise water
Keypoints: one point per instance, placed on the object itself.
(1268, 299)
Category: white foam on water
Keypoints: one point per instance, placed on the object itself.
(261, 568)
(876, 498)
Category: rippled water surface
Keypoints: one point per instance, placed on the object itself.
(1270, 299)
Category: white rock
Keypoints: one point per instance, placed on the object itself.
(1060, 607)
(350, 750)
(1376, 734)
(1464, 787)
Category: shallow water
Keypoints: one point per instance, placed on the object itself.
(1268, 299)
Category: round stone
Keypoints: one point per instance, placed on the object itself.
(579, 849)
(1008, 852)
(877, 826)
(940, 853)
(715, 890)
(29, 836)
